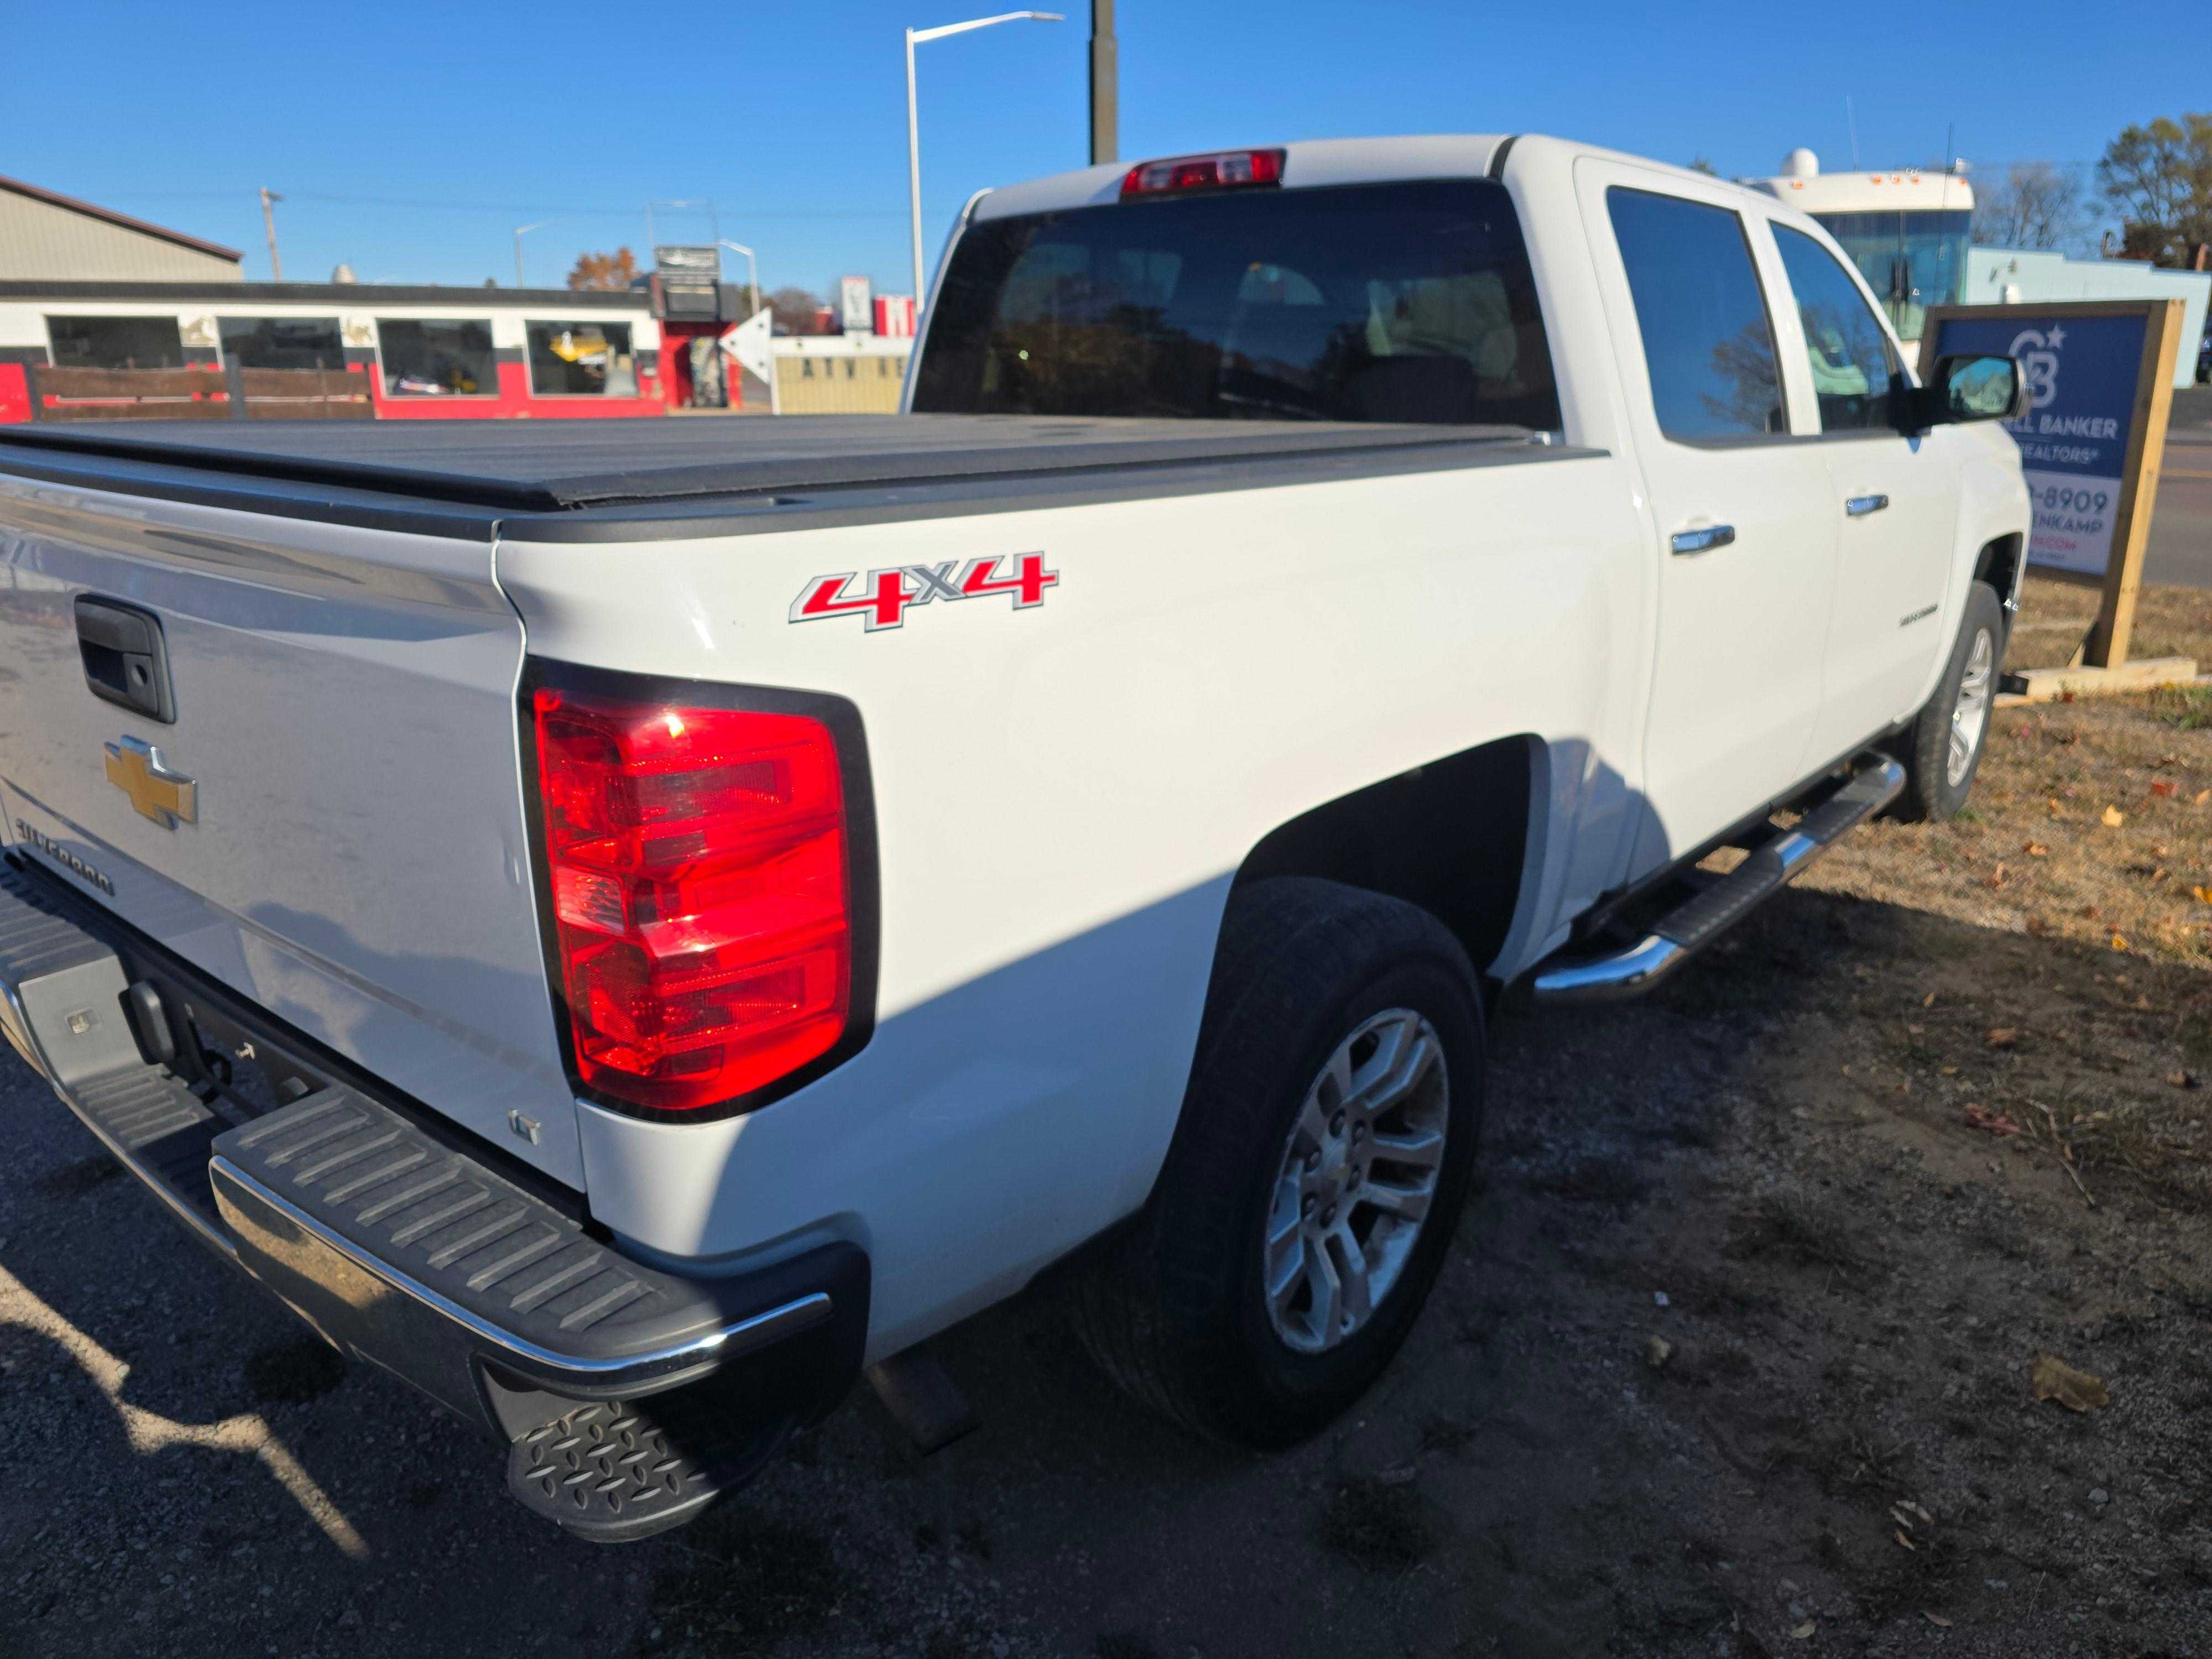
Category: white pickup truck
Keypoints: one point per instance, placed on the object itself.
(630, 925)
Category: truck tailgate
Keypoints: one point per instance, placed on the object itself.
(353, 854)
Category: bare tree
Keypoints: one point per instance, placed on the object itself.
(2159, 178)
(796, 310)
(2033, 205)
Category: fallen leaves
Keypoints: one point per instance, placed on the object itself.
(2112, 818)
(1911, 1518)
(2001, 1036)
(2052, 1378)
(1657, 1350)
(1803, 1632)
(2182, 1079)
(2036, 849)
(2165, 787)
(1995, 1124)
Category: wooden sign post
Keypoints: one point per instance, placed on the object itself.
(2100, 382)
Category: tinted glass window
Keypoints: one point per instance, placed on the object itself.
(436, 359)
(1911, 260)
(283, 342)
(115, 342)
(586, 360)
(1853, 364)
(1368, 302)
(1706, 340)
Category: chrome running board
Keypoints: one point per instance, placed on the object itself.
(1705, 915)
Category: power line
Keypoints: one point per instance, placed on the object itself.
(630, 211)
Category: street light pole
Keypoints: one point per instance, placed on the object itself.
(753, 266)
(914, 37)
(521, 231)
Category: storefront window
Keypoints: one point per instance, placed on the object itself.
(1910, 260)
(436, 359)
(115, 343)
(582, 360)
(283, 342)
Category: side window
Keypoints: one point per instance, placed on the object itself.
(1853, 363)
(1707, 342)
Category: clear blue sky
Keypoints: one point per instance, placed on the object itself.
(411, 137)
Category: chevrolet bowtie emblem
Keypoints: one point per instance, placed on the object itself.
(155, 791)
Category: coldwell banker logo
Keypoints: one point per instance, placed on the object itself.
(2037, 351)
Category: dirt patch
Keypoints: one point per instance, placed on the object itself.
(1378, 1523)
(293, 1373)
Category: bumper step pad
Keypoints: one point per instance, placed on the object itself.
(61, 1008)
(610, 1473)
(629, 1396)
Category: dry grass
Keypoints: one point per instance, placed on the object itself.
(2038, 850)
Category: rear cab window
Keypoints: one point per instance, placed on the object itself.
(1401, 301)
(1708, 341)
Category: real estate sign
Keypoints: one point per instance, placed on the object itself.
(2081, 376)
(2099, 378)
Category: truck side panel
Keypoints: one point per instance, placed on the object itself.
(1063, 794)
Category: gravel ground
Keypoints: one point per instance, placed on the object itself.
(1734, 1357)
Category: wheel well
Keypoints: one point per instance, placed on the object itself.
(1999, 564)
(1450, 837)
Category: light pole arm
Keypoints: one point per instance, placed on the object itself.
(938, 34)
(914, 37)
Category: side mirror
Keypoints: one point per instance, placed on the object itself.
(1970, 389)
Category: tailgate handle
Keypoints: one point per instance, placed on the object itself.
(125, 661)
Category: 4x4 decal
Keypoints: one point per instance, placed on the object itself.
(883, 597)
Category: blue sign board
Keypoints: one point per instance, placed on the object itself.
(2081, 379)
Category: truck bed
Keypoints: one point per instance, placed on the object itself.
(537, 466)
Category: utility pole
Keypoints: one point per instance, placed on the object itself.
(1105, 85)
(268, 199)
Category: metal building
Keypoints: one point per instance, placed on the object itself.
(46, 238)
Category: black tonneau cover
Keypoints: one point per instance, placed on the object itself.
(542, 466)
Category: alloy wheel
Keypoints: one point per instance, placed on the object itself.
(1358, 1176)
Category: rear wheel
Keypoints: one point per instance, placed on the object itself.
(1944, 746)
(1311, 1192)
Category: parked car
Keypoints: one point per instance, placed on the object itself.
(628, 930)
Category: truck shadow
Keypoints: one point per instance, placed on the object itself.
(1764, 1167)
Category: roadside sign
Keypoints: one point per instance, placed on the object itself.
(2100, 378)
(688, 281)
(855, 296)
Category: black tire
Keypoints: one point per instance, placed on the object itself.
(1175, 1311)
(1931, 793)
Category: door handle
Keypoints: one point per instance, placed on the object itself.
(1703, 539)
(1859, 505)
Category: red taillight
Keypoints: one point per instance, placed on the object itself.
(702, 897)
(1227, 169)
